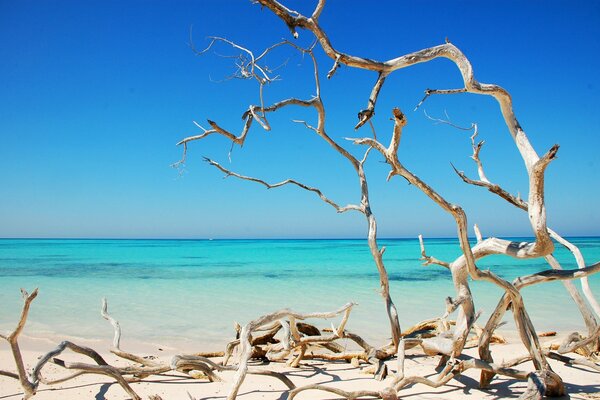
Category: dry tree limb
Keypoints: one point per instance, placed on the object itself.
(495, 337)
(298, 346)
(483, 180)
(576, 343)
(542, 383)
(573, 361)
(455, 368)
(547, 334)
(203, 363)
(477, 233)
(476, 150)
(346, 356)
(505, 301)
(466, 263)
(428, 325)
(29, 386)
(149, 367)
(587, 314)
(516, 200)
(101, 367)
(65, 378)
(248, 67)
(229, 350)
(318, 192)
(246, 346)
(580, 264)
(343, 393)
(555, 356)
(189, 363)
(9, 374)
(455, 344)
(370, 354)
(294, 20)
(427, 260)
(267, 338)
(374, 356)
(116, 348)
(365, 115)
(31, 382)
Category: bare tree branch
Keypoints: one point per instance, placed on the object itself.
(428, 259)
(338, 208)
(246, 346)
(29, 387)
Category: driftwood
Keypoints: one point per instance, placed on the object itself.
(451, 342)
(29, 386)
(299, 336)
(292, 339)
(593, 341)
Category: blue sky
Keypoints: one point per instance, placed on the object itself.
(94, 95)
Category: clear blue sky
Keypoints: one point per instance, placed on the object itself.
(95, 94)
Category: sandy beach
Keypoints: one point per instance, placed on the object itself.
(581, 382)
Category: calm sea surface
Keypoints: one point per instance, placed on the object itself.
(191, 291)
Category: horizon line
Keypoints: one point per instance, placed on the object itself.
(271, 238)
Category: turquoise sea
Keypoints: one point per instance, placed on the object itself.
(190, 292)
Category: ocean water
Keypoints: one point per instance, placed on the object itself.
(190, 292)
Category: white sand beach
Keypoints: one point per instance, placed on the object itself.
(581, 382)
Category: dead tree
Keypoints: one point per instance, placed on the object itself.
(450, 344)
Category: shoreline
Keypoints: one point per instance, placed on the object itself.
(136, 343)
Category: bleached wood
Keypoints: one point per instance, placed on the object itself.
(116, 347)
(516, 200)
(429, 259)
(449, 343)
(29, 385)
(339, 209)
(101, 367)
(246, 346)
(585, 285)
